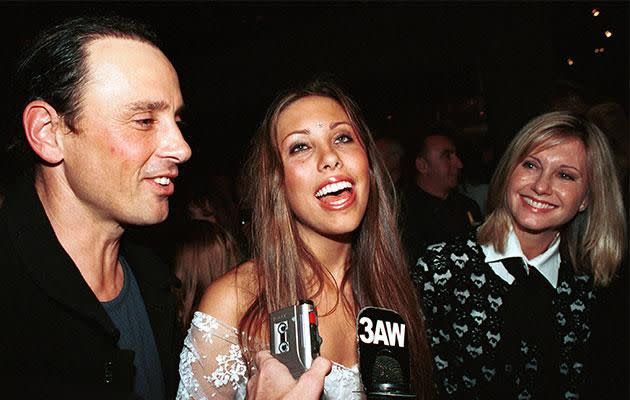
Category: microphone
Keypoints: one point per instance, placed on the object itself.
(383, 354)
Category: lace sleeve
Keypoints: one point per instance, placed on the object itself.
(211, 363)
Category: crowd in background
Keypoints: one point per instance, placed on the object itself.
(442, 183)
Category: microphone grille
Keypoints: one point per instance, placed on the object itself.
(387, 370)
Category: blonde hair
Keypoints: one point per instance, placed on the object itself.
(594, 240)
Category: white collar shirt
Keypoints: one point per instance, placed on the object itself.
(547, 263)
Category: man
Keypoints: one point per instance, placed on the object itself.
(88, 314)
(432, 210)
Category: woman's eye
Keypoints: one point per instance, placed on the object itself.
(343, 138)
(566, 176)
(297, 148)
(529, 165)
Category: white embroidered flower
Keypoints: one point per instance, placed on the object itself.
(207, 325)
(212, 366)
(230, 369)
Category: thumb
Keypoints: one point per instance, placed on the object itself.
(311, 383)
(320, 366)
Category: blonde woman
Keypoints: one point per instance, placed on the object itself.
(509, 305)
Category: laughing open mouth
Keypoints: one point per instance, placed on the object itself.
(334, 193)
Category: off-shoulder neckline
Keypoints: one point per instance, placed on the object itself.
(354, 368)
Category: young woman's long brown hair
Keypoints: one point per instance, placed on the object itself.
(377, 270)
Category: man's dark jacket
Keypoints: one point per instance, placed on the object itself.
(57, 340)
(426, 219)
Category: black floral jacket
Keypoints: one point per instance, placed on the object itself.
(463, 298)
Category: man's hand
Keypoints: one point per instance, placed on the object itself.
(273, 381)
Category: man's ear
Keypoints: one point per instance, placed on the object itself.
(41, 123)
(421, 165)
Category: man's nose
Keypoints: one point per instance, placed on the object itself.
(174, 146)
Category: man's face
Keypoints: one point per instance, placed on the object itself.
(121, 161)
(441, 164)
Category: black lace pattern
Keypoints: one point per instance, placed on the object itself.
(462, 299)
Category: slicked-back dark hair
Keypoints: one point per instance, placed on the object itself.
(54, 67)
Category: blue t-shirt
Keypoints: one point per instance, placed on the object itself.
(129, 315)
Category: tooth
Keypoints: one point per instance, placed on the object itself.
(333, 187)
(162, 180)
(537, 204)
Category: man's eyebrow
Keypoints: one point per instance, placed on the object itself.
(148, 106)
(153, 106)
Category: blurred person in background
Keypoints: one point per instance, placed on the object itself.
(204, 251)
(432, 208)
(392, 152)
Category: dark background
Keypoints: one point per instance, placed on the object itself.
(486, 66)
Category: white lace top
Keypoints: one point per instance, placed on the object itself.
(212, 366)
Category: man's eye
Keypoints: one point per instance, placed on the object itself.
(297, 148)
(145, 122)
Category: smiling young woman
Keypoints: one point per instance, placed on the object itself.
(324, 228)
(325, 168)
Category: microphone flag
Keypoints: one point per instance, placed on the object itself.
(383, 354)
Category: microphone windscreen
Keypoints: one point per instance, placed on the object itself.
(383, 354)
(387, 370)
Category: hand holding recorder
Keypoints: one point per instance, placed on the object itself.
(293, 336)
(294, 354)
(273, 381)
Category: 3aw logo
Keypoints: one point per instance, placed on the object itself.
(388, 333)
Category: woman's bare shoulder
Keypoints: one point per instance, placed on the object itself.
(229, 296)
